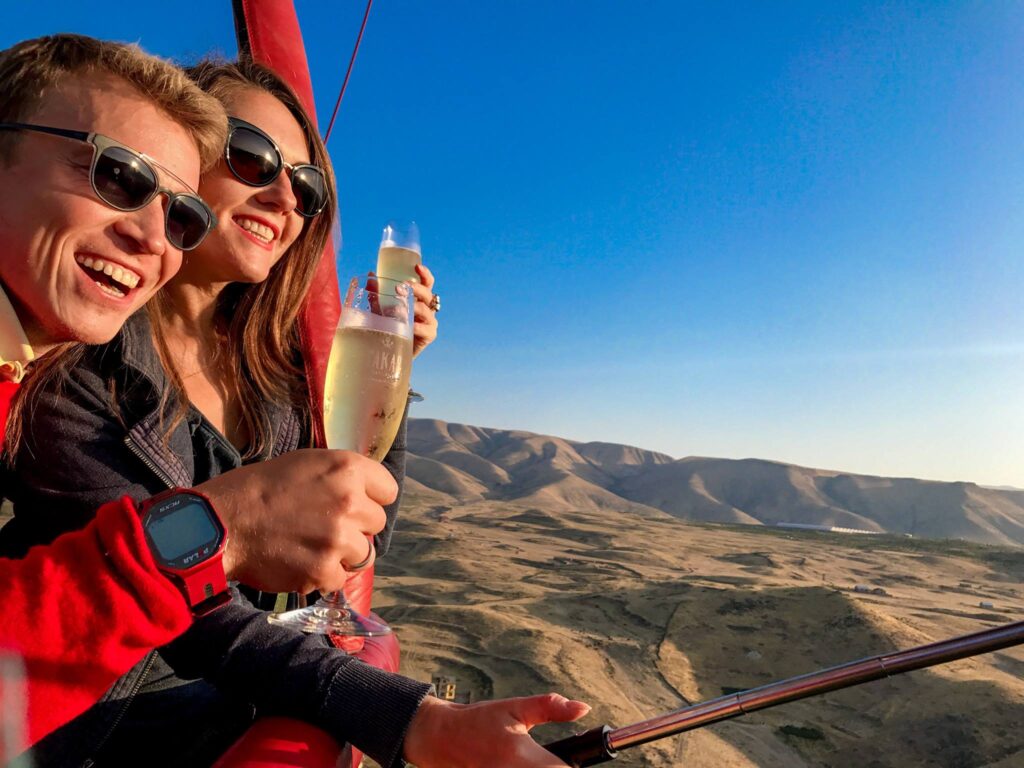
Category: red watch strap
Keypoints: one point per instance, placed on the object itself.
(206, 588)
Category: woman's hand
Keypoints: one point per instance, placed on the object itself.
(425, 329)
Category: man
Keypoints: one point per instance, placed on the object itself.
(80, 250)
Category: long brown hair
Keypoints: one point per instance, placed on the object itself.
(257, 321)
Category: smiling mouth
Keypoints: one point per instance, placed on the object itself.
(258, 230)
(111, 278)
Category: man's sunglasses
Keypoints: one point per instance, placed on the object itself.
(255, 159)
(128, 181)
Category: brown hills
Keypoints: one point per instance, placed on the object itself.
(640, 614)
(525, 563)
(458, 463)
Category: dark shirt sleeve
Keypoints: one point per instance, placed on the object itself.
(77, 454)
(285, 672)
(394, 462)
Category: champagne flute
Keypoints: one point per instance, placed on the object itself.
(399, 251)
(367, 386)
(397, 257)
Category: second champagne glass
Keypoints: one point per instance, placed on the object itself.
(399, 251)
(365, 394)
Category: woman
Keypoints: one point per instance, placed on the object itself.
(226, 325)
(209, 379)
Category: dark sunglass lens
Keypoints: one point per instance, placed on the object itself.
(252, 158)
(122, 179)
(310, 189)
(188, 221)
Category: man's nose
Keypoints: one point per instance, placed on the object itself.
(145, 228)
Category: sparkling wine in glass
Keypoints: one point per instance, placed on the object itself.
(366, 390)
(399, 251)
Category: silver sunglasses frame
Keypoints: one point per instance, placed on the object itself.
(99, 144)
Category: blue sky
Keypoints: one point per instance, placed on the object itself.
(787, 230)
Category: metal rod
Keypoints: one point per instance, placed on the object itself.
(792, 689)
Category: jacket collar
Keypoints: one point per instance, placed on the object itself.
(138, 351)
(135, 351)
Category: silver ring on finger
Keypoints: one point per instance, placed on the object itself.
(435, 303)
(365, 561)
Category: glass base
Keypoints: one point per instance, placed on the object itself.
(329, 616)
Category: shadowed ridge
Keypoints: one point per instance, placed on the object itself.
(513, 465)
(440, 477)
(641, 615)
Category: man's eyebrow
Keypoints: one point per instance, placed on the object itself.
(169, 172)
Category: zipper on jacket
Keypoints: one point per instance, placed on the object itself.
(150, 659)
(134, 448)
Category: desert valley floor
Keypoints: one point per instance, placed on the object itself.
(642, 613)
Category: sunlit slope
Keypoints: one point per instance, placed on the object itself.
(473, 463)
(639, 614)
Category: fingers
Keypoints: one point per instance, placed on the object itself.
(425, 327)
(424, 332)
(422, 293)
(364, 559)
(423, 313)
(426, 276)
(373, 292)
(329, 577)
(547, 708)
(380, 485)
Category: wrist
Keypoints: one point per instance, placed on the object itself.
(186, 539)
(426, 731)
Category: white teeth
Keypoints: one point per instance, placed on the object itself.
(125, 277)
(112, 290)
(262, 231)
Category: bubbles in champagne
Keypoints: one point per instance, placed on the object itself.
(398, 263)
(367, 385)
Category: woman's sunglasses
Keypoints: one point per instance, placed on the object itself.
(256, 160)
(128, 181)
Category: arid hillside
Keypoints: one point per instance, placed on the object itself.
(454, 463)
(638, 612)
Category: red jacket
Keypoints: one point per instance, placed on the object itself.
(104, 606)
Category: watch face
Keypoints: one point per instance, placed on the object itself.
(182, 530)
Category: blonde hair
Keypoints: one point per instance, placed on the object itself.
(30, 69)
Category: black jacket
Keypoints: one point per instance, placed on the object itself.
(79, 452)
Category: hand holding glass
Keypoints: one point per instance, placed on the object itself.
(365, 394)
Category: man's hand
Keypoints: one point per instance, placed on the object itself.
(488, 734)
(295, 521)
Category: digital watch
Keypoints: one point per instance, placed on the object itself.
(187, 541)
